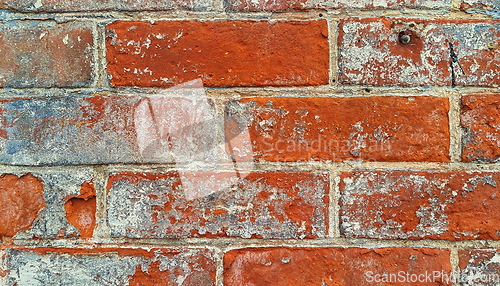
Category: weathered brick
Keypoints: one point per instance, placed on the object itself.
(385, 128)
(478, 267)
(481, 6)
(108, 266)
(420, 205)
(440, 52)
(480, 121)
(262, 205)
(335, 266)
(220, 52)
(21, 199)
(104, 5)
(92, 130)
(298, 5)
(33, 205)
(45, 54)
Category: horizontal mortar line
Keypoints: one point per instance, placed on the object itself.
(336, 91)
(314, 167)
(234, 243)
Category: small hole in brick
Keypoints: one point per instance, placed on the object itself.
(404, 38)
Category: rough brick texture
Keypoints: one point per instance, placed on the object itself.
(480, 5)
(363, 128)
(418, 205)
(108, 266)
(262, 205)
(332, 266)
(298, 5)
(93, 130)
(45, 54)
(221, 53)
(33, 205)
(104, 5)
(440, 52)
(480, 122)
(479, 267)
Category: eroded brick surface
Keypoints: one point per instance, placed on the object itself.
(479, 267)
(364, 128)
(333, 266)
(92, 130)
(297, 5)
(262, 205)
(33, 205)
(418, 205)
(108, 266)
(480, 5)
(221, 53)
(21, 198)
(45, 54)
(481, 124)
(104, 5)
(440, 52)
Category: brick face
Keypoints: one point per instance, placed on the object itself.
(333, 266)
(262, 205)
(420, 205)
(479, 266)
(440, 52)
(221, 53)
(319, 129)
(104, 5)
(479, 120)
(45, 54)
(108, 266)
(33, 205)
(92, 130)
(300, 5)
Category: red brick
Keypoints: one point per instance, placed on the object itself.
(364, 128)
(104, 5)
(480, 122)
(109, 266)
(33, 205)
(221, 53)
(298, 5)
(370, 52)
(80, 210)
(21, 198)
(104, 129)
(480, 6)
(479, 267)
(334, 266)
(420, 205)
(45, 54)
(262, 205)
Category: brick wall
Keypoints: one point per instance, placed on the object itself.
(243, 142)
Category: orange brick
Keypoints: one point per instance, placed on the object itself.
(45, 54)
(319, 129)
(480, 121)
(300, 5)
(440, 52)
(335, 266)
(420, 205)
(262, 205)
(221, 53)
(109, 266)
